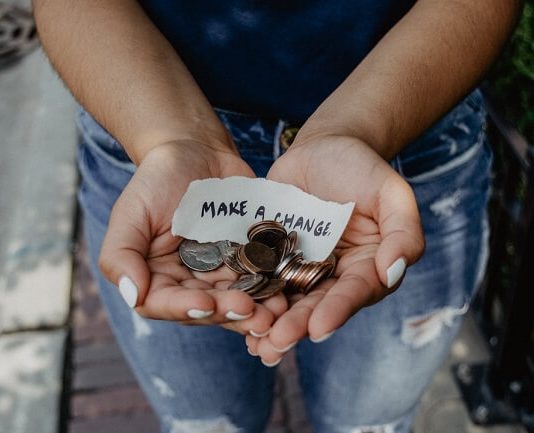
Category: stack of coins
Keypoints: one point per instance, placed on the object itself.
(268, 264)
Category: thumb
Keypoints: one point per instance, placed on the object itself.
(126, 244)
(400, 228)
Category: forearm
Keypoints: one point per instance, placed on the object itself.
(122, 69)
(419, 70)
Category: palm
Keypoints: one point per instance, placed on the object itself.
(141, 222)
(342, 169)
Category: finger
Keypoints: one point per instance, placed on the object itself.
(400, 227)
(178, 303)
(125, 246)
(258, 325)
(252, 344)
(268, 356)
(232, 305)
(223, 273)
(277, 304)
(292, 326)
(346, 296)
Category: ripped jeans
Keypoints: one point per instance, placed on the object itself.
(370, 375)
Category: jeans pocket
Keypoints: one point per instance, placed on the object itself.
(102, 144)
(451, 143)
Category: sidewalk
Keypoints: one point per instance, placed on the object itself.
(60, 367)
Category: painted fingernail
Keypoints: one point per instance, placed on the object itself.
(251, 353)
(323, 338)
(235, 316)
(199, 314)
(395, 272)
(271, 364)
(259, 334)
(285, 349)
(128, 290)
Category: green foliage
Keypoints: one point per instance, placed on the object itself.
(511, 81)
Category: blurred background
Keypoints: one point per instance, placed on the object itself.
(60, 368)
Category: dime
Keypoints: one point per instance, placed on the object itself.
(225, 245)
(230, 260)
(248, 282)
(273, 287)
(198, 256)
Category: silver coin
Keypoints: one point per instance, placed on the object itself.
(225, 245)
(248, 282)
(230, 259)
(198, 256)
(273, 287)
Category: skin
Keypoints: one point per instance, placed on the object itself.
(148, 100)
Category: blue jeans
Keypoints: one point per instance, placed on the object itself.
(370, 375)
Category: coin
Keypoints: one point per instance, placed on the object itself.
(248, 282)
(268, 237)
(257, 257)
(273, 287)
(230, 260)
(270, 252)
(292, 237)
(225, 245)
(198, 256)
(286, 262)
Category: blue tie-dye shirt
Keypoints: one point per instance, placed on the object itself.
(271, 57)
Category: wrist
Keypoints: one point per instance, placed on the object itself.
(202, 142)
(365, 131)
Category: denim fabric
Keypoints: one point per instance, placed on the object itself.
(371, 373)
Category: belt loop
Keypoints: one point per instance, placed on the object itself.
(280, 127)
(396, 162)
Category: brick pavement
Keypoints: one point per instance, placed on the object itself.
(104, 396)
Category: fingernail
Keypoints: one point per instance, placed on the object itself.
(128, 290)
(323, 338)
(395, 272)
(285, 349)
(199, 314)
(251, 353)
(235, 316)
(271, 364)
(259, 334)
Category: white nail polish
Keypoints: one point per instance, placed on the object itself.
(285, 349)
(271, 364)
(128, 290)
(323, 338)
(251, 353)
(235, 316)
(199, 314)
(395, 272)
(259, 334)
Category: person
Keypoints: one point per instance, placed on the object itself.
(195, 90)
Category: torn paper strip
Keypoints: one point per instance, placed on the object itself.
(223, 209)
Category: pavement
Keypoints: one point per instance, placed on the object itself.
(61, 370)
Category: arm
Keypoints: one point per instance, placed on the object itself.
(425, 64)
(119, 66)
(429, 60)
(122, 69)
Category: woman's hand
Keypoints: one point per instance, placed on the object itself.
(139, 253)
(383, 236)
